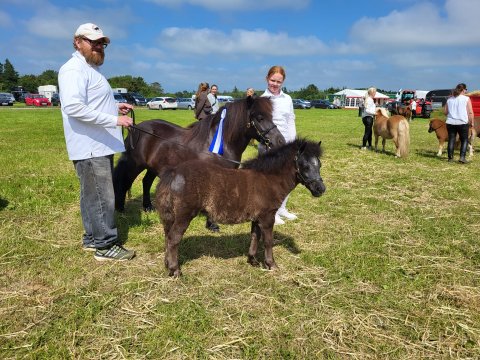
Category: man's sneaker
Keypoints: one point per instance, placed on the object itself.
(89, 247)
(116, 252)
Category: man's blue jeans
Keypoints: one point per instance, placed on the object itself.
(97, 201)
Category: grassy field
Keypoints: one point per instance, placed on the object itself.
(386, 265)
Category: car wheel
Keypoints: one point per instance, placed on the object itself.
(160, 107)
(149, 107)
(189, 107)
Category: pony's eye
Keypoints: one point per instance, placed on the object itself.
(259, 117)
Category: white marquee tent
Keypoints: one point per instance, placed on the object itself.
(351, 98)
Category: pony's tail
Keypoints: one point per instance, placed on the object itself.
(403, 138)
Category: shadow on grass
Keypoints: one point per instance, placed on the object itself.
(430, 154)
(3, 203)
(359, 147)
(218, 245)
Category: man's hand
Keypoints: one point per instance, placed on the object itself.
(124, 108)
(124, 120)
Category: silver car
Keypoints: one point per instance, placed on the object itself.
(186, 103)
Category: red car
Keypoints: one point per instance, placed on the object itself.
(37, 100)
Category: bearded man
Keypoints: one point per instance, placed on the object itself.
(92, 128)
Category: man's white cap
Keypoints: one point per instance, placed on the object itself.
(91, 32)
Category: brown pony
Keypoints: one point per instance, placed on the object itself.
(231, 196)
(403, 110)
(440, 129)
(395, 127)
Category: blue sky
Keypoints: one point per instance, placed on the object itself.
(389, 44)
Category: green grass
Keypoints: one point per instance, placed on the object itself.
(385, 265)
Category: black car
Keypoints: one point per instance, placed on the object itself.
(55, 100)
(323, 104)
(135, 99)
(5, 100)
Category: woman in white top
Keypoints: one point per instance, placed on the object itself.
(368, 116)
(212, 97)
(284, 119)
(459, 113)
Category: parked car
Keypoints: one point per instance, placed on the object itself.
(323, 104)
(5, 100)
(162, 102)
(185, 103)
(134, 99)
(301, 104)
(37, 100)
(55, 100)
(9, 95)
(119, 98)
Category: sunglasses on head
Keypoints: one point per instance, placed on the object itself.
(96, 43)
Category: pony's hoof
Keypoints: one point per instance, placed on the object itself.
(272, 266)
(149, 208)
(212, 227)
(253, 261)
(175, 273)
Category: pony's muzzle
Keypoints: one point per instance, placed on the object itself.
(317, 188)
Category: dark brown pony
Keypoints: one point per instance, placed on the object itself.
(440, 128)
(395, 127)
(230, 196)
(157, 144)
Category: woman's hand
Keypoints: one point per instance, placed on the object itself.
(124, 108)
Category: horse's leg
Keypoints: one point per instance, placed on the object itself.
(147, 185)
(383, 144)
(124, 174)
(440, 147)
(267, 233)
(376, 142)
(397, 146)
(255, 235)
(172, 240)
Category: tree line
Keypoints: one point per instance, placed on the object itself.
(11, 80)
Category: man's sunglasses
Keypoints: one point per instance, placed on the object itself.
(96, 43)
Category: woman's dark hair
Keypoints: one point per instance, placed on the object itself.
(458, 89)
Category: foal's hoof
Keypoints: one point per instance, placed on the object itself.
(175, 273)
(149, 208)
(253, 261)
(212, 227)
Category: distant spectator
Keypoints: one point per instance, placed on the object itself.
(203, 108)
(459, 113)
(250, 92)
(413, 107)
(367, 117)
(212, 97)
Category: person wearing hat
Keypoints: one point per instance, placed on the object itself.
(92, 123)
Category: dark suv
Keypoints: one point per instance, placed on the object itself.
(55, 100)
(135, 99)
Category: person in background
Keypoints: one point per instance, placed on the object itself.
(368, 116)
(413, 107)
(212, 97)
(203, 108)
(284, 118)
(92, 129)
(250, 92)
(459, 113)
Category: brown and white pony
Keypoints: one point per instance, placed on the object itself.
(441, 132)
(395, 127)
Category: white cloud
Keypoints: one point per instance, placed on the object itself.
(244, 5)
(424, 24)
(5, 19)
(239, 42)
(60, 23)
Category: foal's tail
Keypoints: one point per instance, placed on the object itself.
(403, 137)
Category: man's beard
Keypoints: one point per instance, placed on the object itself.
(94, 58)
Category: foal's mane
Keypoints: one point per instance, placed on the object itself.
(275, 160)
(382, 111)
(237, 117)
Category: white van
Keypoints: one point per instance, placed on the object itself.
(224, 98)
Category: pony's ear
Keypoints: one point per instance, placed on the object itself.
(250, 101)
(320, 143)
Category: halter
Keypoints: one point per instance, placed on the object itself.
(438, 127)
(261, 134)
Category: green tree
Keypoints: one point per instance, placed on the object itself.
(48, 77)
(9, 75)
(29, 83)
